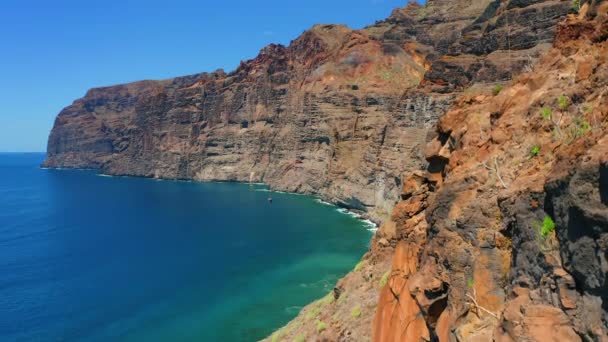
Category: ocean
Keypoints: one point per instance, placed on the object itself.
(85, 257)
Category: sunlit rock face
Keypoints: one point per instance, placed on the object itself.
(340, 113)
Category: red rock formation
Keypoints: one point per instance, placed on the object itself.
(485, 268)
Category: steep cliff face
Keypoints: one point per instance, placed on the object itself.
(503, 236)
(340, 113)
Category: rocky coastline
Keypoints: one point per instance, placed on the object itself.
(472, 132)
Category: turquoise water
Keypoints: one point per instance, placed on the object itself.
(91, 258)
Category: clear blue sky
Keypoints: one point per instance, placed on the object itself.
(53, 51)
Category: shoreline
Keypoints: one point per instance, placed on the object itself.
(368, 223)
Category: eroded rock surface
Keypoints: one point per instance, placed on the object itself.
(514, 247)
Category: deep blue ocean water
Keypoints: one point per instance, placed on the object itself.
(90, 258)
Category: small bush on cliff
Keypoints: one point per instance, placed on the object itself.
(314, 311)
(546, 113)
(384, 278)
(535, 151)
(562, 102)
(329, 298)
(276, 337)
(300, 338)
(470, 283)
(578, 128)
(422, 13)
(359, 265)
(497, 89)
(356, 312)
(547, 227)
(321, 326)
(576, 5)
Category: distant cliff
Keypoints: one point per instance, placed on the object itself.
(339, 113)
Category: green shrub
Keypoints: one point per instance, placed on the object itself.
(583, 126)
(321, 326)
(314, 310)
(384, 278)
(300, 338)
(276, 337)
(562, 102)
(535, 151)
(359, 265)
(470, 283)
(547, 227)
(577, 129)
(422, 13)
(329, 298)
(356, 312)
(546, 113)
(497, 89)
(576, 5)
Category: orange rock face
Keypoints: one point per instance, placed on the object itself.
(515, 229)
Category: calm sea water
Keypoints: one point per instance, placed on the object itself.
(91, 258)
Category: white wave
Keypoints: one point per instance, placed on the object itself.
(293, 309)
(318, 200)
(263, 190)
(370, 224)
(347, 212)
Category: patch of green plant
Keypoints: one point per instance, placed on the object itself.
(359, 265)
(576, 5)
(329, 298)
(535, 151)
(300, 338)
(342, 297)
(384, 278)
(562, 102)
(356, 312)
(321, 326)
(276, 337)
(583, 126)
(422, 13)
(387, 75)
(291, 327)
(547, 227)
(577, 129)
(546, 113)
(470, 283)
(314, 311)
(497, 89)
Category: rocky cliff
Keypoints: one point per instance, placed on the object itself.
(502, 235)
(484, 121)
(339, 113)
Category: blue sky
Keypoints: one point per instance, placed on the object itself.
(53, 51)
